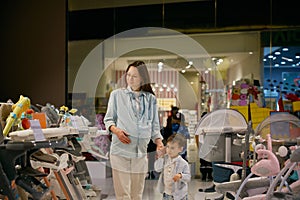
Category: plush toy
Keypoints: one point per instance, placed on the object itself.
(21, 106)
(244, 86)
(292, 97)
(253, 90)
(26, 116)
(235, 97)
(5, 109)
(267, 166)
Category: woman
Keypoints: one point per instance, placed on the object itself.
(132, 119)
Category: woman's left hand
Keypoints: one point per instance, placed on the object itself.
(159, 144)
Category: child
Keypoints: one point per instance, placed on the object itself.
(175, 171)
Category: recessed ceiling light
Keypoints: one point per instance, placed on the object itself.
(285, 49)
(282, 62)
(276, 65)
(287, 59)
(277, 53)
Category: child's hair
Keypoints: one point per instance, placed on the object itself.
(178, 138)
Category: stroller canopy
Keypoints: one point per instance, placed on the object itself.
(222, 121)
(212, 129)
(281, 126)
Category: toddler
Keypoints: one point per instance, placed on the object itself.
(175, 171)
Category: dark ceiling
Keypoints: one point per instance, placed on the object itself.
(196, 16)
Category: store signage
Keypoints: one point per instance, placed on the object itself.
(281, 38)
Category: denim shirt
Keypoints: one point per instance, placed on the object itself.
(141, 127)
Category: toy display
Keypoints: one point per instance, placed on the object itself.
(243, 93)
(23, 174)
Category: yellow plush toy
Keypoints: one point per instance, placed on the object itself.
(18, 108)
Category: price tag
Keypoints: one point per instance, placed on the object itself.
(37, 130)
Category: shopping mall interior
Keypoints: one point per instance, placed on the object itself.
(203, 56)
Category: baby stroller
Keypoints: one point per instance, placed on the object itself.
(217, 131)
(220, 143)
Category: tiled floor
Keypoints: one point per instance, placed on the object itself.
(106, 186)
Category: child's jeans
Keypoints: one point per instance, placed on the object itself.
(170, 197)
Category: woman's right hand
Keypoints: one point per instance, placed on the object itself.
(122, 135)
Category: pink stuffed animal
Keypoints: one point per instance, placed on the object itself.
(269, 166)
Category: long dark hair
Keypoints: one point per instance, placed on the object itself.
(143, 71)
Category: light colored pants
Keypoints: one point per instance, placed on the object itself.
(129, 176)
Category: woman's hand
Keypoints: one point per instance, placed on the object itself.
(121, 134)
(159, 144)
(161, 152)
(160, 148)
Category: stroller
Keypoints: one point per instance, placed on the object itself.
(218, 132)
(220, 142)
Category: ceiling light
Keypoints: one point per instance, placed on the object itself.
(285, 49)
(277, 53)
(160, 66)
(183, 70)
(187, 67)
(250, 52)
(287, 59)
(282, 62)
(190, 62)
(276, 65)
(270, 56)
